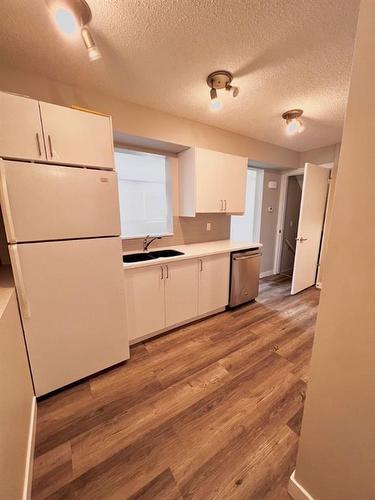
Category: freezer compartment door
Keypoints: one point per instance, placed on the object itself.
(48, 202)
(72, 301)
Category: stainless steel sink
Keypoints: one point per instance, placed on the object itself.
(142, 256)
(165, 253)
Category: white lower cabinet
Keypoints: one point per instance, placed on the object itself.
(145, 304)
(181, 291)
(213, 282)
(163, 295)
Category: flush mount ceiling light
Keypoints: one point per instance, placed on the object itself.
(293, 121)
(220, 80)
(72, 15)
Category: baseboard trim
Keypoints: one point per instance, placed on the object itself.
(177, 325)
(296, 490)
(30, 453)
(264, 274)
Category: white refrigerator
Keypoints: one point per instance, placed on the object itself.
(63, 226)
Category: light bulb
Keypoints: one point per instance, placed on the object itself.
(293, 126)
(215, 103)
(65, 20)
(94, 53)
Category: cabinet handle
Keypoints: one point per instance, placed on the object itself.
(167, 270)
(38, 144)
(50, 146)
(201, 265)
(225, 205)
(162, 273)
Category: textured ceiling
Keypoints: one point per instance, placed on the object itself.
(283, 54)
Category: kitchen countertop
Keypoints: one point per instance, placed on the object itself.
(193, 250)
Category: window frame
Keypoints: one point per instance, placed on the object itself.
(168, 190)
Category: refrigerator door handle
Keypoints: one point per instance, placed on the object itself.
(5, 205)
(18, 278)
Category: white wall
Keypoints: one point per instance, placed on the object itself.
(269, 220)
(336, 457)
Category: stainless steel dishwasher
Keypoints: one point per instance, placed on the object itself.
(244, 281)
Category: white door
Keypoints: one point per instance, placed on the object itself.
(77, 137)
(181, 291)
(310, 226)
(72, 302)
(213, 282)
(21, 133)
(50, 202)
(144, 295)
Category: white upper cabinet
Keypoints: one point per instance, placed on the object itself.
(76, 137)
(21, 135)
(32, 130)
(211, 182)
(213, 283)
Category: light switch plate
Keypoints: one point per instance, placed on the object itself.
(208, 226)
(272, 185)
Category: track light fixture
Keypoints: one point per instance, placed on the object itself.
(71, 15)
(220, 80)
(293, 122)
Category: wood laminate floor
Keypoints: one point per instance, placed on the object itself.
(209, 411)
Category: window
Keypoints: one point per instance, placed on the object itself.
(246, 227)
(144, 192)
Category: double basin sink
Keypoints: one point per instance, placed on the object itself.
(139, 257)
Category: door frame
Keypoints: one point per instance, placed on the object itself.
(281, 215)
(282, 208)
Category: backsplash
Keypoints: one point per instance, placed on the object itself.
(188, 230)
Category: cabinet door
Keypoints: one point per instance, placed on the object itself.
(234, 171)
(144, 290)
(181, 291)
(76, 137)
(21, 134)
(209, 179)
(213, 282)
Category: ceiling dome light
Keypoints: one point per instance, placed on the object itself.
(293, 122)
(220, 80)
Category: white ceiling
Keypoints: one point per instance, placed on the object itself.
(283, 53)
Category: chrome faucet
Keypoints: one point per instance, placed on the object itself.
(147, 242)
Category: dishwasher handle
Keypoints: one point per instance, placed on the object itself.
(247, 256)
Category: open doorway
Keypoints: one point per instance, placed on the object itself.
(291, 218)
(246, 227)
(302, 209)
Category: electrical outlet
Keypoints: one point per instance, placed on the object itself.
(208, 226)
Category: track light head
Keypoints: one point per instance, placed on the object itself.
(220, 80)
(92, 49)
(69, 15)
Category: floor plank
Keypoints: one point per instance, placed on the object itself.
(211, 410)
